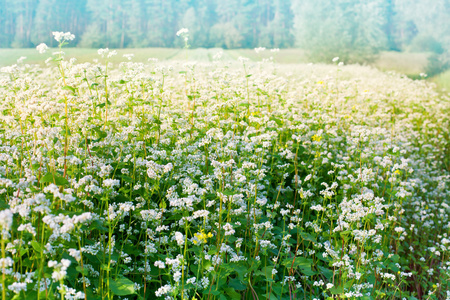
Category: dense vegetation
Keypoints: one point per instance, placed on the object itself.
(221, 181)
(326, 27)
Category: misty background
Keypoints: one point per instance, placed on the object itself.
(355, 30)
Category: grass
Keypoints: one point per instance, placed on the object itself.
(443, 81)
(10, 56)
(285, 56)
(407, 63)
(411, 64)
(402, 62)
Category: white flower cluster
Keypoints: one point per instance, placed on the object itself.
(63, 36)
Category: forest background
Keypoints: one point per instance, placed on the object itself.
(354, 30)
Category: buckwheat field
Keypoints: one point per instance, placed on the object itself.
(221, 180)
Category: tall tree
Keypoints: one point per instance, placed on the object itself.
(108, 24)
(225, 33)
(6, 24)
(278, 31)
(23, 12)
(58, 15)
(423, 19)
(350, 29)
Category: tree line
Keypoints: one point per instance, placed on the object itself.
(326, 27)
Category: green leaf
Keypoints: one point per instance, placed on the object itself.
(61, 180)
(51, 178)
(36, 246)
(308, 237)
(349, 284)
(272, 296)
(232, 293)
(122, 286)
(47, 178)
(345, 235)
(229, 192)
(102, 134)
(236, 284)
(83, 271)
(3, 204)
(336, 290)
(300, 262)
(69, 88)
(98, 225)
(326, 272)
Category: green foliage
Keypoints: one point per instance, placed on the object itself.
(426, 43)
(351, 30)
(147, 23)
(437, 64)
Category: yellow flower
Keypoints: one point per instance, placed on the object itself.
(397, 172)
(202, 236)
(320, 82)
(316, 138)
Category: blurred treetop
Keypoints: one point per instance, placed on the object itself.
(326, 27)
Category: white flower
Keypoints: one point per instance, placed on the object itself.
(228, 229)
(6, 262)
(179, 237)
(110, 183)
(42, 48)
(243, 59)
(52, 263)
(128, 56)
(182, 31)
(17, 287)
(21, 59)
(75, 254)
(65, 263)
(63, 36)
(259, 49)
(102, 52)
(58, 275)
(163, 290)
(6, 219)
(159, 264)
